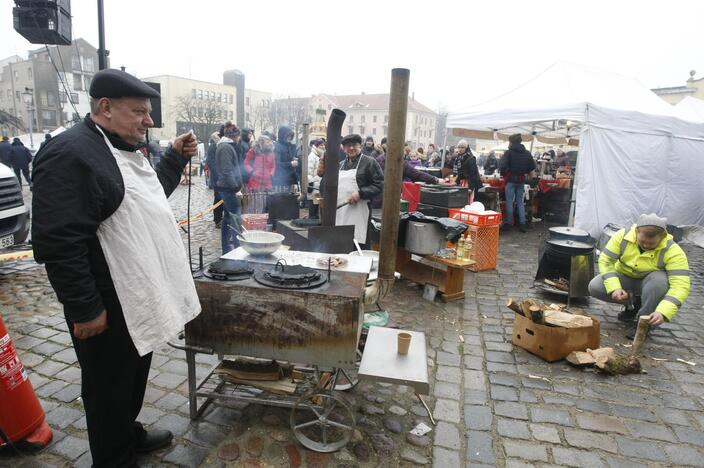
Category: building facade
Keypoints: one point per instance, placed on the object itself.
(257, 110)
(188, 104)
(693, 87)
(367, 115)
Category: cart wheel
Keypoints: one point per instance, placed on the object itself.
(322, 422)
(347, 378)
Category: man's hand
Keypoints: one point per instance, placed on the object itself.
(294, 163)
(656, 319)
(441, 182)
(354, 198)
(91, 328)
(619, 295)
(186, 145)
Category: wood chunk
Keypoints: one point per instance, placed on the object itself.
(641, 332)
(514, 306)
(576, 311)
(536, 314)
(580, 358)
(566, 320)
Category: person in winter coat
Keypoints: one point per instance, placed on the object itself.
(491, 164)
(20, 157)
(465, 167)
(561, 159)
(317, 150)
(286, 161)
(644, 268)
(212, 174)
(228, 184)
(414, 159)
(47, 137)
(368, 148)
(5, 150)
(246, 141)
(515, 166)
(260, 163)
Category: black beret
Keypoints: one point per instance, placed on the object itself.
(111, 83)
(354, 138)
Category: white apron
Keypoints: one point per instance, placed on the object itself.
(146, 258)
(357, 214)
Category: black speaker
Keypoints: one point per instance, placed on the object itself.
(43, 22)
(156, 104)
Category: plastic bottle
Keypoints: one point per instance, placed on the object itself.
(460, 249)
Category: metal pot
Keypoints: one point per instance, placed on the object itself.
(424, 238)
(570, 234)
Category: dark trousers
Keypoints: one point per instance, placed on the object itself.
(113, 381)
(22, 170)
(217, 212)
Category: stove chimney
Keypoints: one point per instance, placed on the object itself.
(332, 167)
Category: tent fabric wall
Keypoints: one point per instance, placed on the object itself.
(632, 163)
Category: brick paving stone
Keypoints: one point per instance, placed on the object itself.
(447, 410)
(672, 416)
(513, 429)
(500, 356)
(480, 448)
(62, 417)
(478, 417)
(525, 450)
(71, 447)
(30, 359)
(167, 380)
(640, 449)
(188, 456)
(152, 394)
(447, 390)
(527, 396)
(475, 397)
(646, 430)
(590, 440)
(44, 333)
(473, 363)
(447, 359)
(680, 455)
(501, 393)
(578, 458)
(500, 367)
(47, 348)
(505, 380)
(448, 374)
(27, 342)
(601, 423)
(511, 410)
(68, 394)
(614, 462)
(49, 368)
(545, 433)
(633, 412)
(70, 374)
(67, 356)
(689, 435)
(178, 425)
(474, 380)
(229, 451)
(445, 457)
(551, 416)
(594, 406)
(447, 435)
(170, 401)
(494, 346)
(149, 415)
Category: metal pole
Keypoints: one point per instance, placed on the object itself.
(102, 53)
(444, 151)
(393, 172)
(31, 125)
(304, 163)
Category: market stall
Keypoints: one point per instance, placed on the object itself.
(636, 153)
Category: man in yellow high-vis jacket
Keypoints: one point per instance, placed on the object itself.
(643, 262)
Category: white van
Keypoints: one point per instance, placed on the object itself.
(14, 215)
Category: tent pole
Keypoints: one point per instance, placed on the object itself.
(444, 150)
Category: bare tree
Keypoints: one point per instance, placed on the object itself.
(204, 116)
(260, 118)
(292, 112)
(8, 120)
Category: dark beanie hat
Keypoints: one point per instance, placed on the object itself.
(515, 138)
(111, 83)
(354, 138)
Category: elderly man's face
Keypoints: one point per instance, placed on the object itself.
(461, 149)
(352, 149)
(129, 118)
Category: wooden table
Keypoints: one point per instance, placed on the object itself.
(445, 273)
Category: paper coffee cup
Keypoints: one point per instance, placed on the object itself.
(404, 341)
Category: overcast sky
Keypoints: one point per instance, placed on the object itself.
(459, 52)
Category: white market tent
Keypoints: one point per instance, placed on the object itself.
(635, 155)
(691, 109)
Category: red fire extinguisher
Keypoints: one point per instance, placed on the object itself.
(22, 421)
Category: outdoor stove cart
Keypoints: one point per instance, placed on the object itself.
(291, 309)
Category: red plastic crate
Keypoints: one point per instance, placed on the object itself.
(255, 222)
(474, 219)
(485, 246)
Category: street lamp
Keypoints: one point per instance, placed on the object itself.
(28, 98)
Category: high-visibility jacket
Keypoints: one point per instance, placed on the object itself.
(622, 255)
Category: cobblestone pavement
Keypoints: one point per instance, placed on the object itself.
(495, 405)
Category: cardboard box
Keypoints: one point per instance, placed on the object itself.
(554, 343)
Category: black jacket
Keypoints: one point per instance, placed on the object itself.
(490, 165)
(370, 177)
(5, 150)
(20, 156)
(468, 170)
(227, 166)
(285, 153)
(77, 185)
(516, 163)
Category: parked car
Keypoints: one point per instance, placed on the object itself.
(14, 214)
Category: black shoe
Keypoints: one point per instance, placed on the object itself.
(218, 225)
(522, 228)
(154, 440)
(631, 332)
(627, 315)
(506, 227)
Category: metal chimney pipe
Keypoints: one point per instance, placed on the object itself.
(393, 180)
(305, 148)
(332, 167)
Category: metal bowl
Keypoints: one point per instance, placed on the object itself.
(373, 254)
(260, 243)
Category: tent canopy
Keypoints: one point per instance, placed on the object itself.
(691, 109)
(636, 156)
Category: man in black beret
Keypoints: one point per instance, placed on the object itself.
(103, 228)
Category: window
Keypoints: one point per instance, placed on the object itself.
(51, 99)
(74, 97)
(351, 119)
(361, 129)
(231, 98)
(29, 73)
(48, 118)
(200, 94)
(9, 94)
(350, 129)
(17, 94)
(374, 131)
(87, 79)
(364, 118)
(374, 119)
(219, 97)
(207, 95)
(75, 62)
(246, 101)
(386, 119)
(90, 64)
(43, 99)
(224, 98)
(231, 116)
(63, 98)
(77, 82)
(17, 75)
(386, 130)
(246, 116)
(193, 93)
